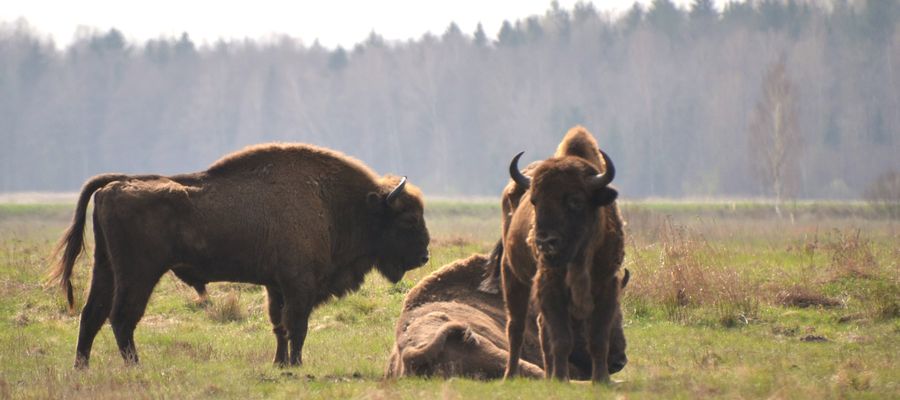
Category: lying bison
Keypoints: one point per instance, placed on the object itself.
(306, 222)
(564, 244)
(452, 324)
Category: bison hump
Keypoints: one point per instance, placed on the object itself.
(578, 142)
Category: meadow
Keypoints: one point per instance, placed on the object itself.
(726, 300)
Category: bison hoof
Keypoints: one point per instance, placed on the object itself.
(81, 363)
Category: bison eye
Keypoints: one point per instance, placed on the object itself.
(575, 203)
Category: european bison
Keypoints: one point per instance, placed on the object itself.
(452, 325)
(564, 243)
(306, 222)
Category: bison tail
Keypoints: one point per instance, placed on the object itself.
(491, 282)
(72, 242)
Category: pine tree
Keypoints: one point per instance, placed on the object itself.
(480, 37)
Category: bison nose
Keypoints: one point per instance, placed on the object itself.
(617, 365)
(425, 258)
(547, 242)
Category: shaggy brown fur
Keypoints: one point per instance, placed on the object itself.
(306, 222)
(564, 243)
(452, 324)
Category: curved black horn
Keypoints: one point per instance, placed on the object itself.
(601, 180)
(516, 175)
(396, 192)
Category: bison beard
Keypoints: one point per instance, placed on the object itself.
(564, 243)
(452, 324)
(307, 223)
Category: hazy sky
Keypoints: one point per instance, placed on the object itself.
(333, 22)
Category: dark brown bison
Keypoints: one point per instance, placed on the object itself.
(306, 222)
(188, 276)
(564, 243)
(452, 324)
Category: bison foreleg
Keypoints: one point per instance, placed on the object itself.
(605, 305)
(276, 308)
(544, 338)
(555, 321)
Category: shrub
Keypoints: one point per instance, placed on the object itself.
(851, 256)
(685, 277)
(884, 193)
(228, 309)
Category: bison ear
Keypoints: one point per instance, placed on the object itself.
(375, 202)
(605, 196)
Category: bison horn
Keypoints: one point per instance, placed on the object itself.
(601, 180)
(396, 192)
(516, 175)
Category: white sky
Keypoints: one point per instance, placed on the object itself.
(333, 22)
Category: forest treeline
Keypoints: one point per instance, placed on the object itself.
(668, 91)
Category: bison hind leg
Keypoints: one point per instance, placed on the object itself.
(97, 307)
(275, 303)
(129, 303)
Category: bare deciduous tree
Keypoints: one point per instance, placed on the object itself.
(774, 136)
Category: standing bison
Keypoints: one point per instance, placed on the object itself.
(306, 222)
(452, 325)
(564, 244)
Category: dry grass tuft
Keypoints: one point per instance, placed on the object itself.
(685, 276)
(708, 360)
(851, 256)
(851, 376)
(197, 352)
(227, 309)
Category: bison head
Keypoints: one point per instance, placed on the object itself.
(403, 237)
(567, 194)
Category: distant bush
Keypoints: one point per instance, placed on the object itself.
(884, 193)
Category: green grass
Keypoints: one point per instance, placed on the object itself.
(727, 335)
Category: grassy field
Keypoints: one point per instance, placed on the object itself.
(725, 301)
